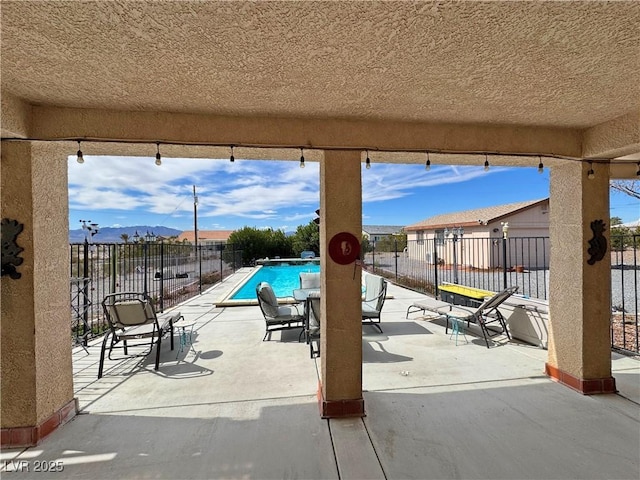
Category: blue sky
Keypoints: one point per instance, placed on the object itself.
(127, 191)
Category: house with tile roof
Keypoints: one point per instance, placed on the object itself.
(474, 237)
(206, 237)
(375, 233)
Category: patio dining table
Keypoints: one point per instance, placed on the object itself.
(302, 294)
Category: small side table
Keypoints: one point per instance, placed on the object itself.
(457, 328)
(185, 331)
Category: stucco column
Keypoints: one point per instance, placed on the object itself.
(37, 381)
(579, 280)
(340, 390)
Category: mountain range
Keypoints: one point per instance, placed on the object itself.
(114, 234)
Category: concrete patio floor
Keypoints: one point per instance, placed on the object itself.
(233, 406)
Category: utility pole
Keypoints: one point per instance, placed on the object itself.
(195, 236)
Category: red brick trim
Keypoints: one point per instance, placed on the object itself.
(340, 408)
(30, 436)
(590, 386)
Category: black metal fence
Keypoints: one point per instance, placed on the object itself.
(495, 264)
(172, 273)
(169, 273)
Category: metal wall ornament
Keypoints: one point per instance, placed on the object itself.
(598, 244)
(10, 249)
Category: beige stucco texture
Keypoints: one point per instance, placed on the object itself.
(36, 342)
(460, 60)
(579, 293)
(341, 334)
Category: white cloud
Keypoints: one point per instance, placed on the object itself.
(258, 190)
(387, 182)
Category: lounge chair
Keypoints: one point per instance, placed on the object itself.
(133, 322)
(309, 280)
(276, 316)
(484, 316)
(428, 304)
(312, 324)
(374, 296)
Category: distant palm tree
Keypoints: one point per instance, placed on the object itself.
(125, 237)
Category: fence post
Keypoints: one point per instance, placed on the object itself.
(373, 256)
(85, 283)
(161, 275)
(504, 261)
(200, 268)
(435, 265)
(395, 248)
(113, 257)
(233, 262)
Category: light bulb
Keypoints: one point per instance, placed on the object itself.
(158, 159)
(427, 166)
(367, 163)
(486, 165)
(80, 158)
(540, 167)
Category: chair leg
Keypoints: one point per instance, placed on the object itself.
(485, 332)
(158, 345)
(104, 346)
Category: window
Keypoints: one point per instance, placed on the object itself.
(439, 237)
(420, 237)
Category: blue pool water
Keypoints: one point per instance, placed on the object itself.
(283, 279)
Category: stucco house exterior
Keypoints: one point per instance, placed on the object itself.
(476, 235)
(375, 233)
(206, 237)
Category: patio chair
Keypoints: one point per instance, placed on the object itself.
(309, 280)
(484, 316)
(133, 322)
(374, 296)
(312, 324)
(276, 316)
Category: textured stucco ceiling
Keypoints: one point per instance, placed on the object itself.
(563, 64)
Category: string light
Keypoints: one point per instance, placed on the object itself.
(80, 158)
(301, 158)
(158, 157)
(540, 169)
(367, 162)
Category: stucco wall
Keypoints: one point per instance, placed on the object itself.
(36, 339)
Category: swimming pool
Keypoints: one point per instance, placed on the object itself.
(282, 278)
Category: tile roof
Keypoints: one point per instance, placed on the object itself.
(475, 216)
(382, 229)
(220, 235)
